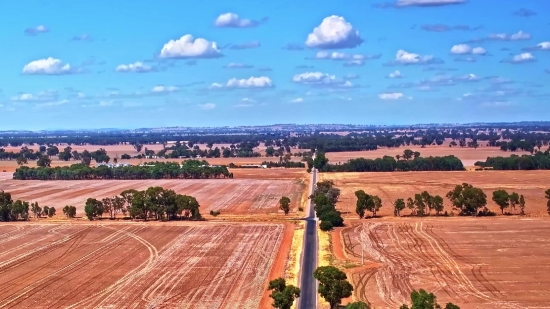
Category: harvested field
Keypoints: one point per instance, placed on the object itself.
(137, 265)
(394, 185)
(230, 196)
(472, 262)
(469, 156)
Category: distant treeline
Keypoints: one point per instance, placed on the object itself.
(390, 164)
(538, 161)
(190, 169)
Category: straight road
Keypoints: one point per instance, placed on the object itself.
(308, 284)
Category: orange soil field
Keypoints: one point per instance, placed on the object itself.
(472, 262)
(469, 156)
(138, 265)
(393, 185)
(229, 196)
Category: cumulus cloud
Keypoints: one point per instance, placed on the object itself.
(37, 30)
(406, 58)
(234, 65)
(252, 82)
(297, 100)
(464, 49)
(395, 74)
(232, 20)
(189, 47)
(404, 3)
(391, 96)
(247, 45)
(321, 79)
(207, 106)
(164, 89)
(48, 66)
(334, 32)
(136, 67)
(540, 46)
(345, 56)
(465, 59)
(522, 58)
(519, 36)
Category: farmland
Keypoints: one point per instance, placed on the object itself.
(235, 196)
(139, 265)
(472, 262)
(390, 186)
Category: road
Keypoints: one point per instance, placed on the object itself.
(308, 284)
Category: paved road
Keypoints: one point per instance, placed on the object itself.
(308, 285)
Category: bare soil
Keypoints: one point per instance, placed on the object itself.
(138, 265)
(394, 185)
(472, 262)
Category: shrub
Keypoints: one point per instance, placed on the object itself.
(325, 226)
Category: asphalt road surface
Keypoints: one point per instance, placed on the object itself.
(308, 284)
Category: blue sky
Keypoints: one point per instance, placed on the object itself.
(128, 64)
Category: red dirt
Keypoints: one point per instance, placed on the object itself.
(472, 262)
(137, 265)
(229, 196)
(279, 264)
(390, 186)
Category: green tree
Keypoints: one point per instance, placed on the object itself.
(361, 204)
(44, 161)
(420, 205)
(92, 208)
(411, 206)
(398, 206)
(320, 161)
(424, 300)
(51, 212)
(408, 154)
(547, 195)
(333, 285)
(522, 205)
(514, 200)
(283, 295)
(284, 204)
(21, 160)
(326, 226)
(69, 211)
(357, 305)
(467, 199)
(36, 210)
(437, 204)
(502, 199)
(45, 210)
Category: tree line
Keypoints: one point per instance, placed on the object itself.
(154, 202)
(325, 196)
(465, 198)
(538, 161)
(334, 287)
(189, 169)
(409, 161)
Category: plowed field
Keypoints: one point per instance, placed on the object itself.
(391, 186)
(474, 263)
(136, 265)
(235, 196)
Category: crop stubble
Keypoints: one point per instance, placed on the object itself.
(475, 263)
(137, 265)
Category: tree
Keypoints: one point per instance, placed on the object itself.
(283, 295)
(326, 226)
(137, 147)
(522, 205)
(361, 204)
(333, 284)
(51, 212)
(411, 206)
(86, 158)
(44, 161)
(502, 199)
(69, 211)
(92, 208)
(284, 204)
(424, 300)
(408, 154)
(36, 210)
(357, 305)
(437, 204)
(320, 161)
(21, 160)
(467, 199)
(514, 200)
(420, 205)
(375, 205)
(398, 205)
(547, 195)
(45, 210)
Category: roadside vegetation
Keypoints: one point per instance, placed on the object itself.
(325, 196)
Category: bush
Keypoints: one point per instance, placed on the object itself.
(300, 209)
(325, 226)
(214, 213)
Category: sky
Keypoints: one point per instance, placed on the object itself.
(132, 64)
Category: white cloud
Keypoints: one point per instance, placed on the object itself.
(37, 30)
(243, 105)
(463, 49)
(321, 79)
(234, 65)
(42, 96)
(338, 56)
(334, 32)
(233, 20)
(164, 89)
(391, 96)
(354, 63)
(252, 82)
(189, 47)
(496, 104)
(297, 100)
(105, 103)
(428, 2)
(395, 74)
(520, 36)
(55, 103)
(524, 57)
(207, 106)
(479, 51)
(48, 66)
(136, 67)
(540, 46)
(404, 57)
